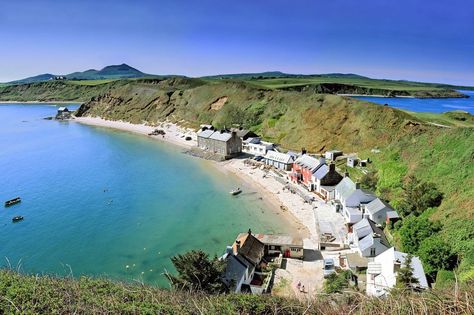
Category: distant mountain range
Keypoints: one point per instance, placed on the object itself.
(122, 71)
(278, 74)
(125, 71)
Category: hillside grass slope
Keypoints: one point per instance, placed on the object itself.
(32, 294)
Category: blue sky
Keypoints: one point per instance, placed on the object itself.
(414, 40)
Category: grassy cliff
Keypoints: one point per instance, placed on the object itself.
(30, 294)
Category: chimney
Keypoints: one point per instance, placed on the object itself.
(222, 131)
(303, 151)
(357, 185)
(332, 167)
(346, 174)
(229, 250)
(237, 245)
(234, 134)
(250, 232)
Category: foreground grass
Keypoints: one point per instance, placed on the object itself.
(24, 294)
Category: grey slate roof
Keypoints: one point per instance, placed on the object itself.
(205, 133)
(360, 196)
(279, 157)
(345, 187)
(321, 171)
(376, 205)
(369, 241)
(310, 162)
(366, 228)
(234, 271)
(217, 135)
(392, 214)
(254, 140)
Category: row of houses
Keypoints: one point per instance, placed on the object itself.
(230, 143)
(357, 203)
(363, 213)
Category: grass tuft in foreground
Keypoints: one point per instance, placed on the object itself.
(29, 294)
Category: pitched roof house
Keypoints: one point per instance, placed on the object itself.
(221, 142)
(242, 258)
(256, 146)
(279, 160)
(238, 271)
(326, 178)
(383, 271)
(304, 168)
(353, 199)
(377, 210)
(368, 238)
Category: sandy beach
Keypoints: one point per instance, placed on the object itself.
(173, 133)
(290, 207)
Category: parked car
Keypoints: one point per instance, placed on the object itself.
(329, 267)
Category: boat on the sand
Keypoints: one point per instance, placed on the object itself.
(235, 191)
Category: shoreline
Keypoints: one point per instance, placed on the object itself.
(41, 102)
(381, 96)
(173, 132)
(298, 214)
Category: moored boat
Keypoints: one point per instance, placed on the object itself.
(235, 191)
(12, 201)
(17, 218)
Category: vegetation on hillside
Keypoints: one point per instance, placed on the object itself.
(197, 273)
(32, 294)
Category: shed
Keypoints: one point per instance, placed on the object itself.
(333, 154)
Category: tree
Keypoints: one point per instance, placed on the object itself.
(196, 272)
(414, 230)
(418, 196)
(335, 282)
(369, 181)
(436, 254)
(405, 277)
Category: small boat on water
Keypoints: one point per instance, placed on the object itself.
(17, 218)
(235, 191)
(13, 201)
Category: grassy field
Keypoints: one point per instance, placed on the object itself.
(23, 294)
(91, 82)
(368, 83)
(450, 119)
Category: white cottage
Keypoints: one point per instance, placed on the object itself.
(255, 146)
(382, 272)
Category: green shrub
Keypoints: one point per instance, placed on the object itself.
(414, 230)
(436, 255)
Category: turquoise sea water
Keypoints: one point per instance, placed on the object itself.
(433, 105)
(96, 200)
